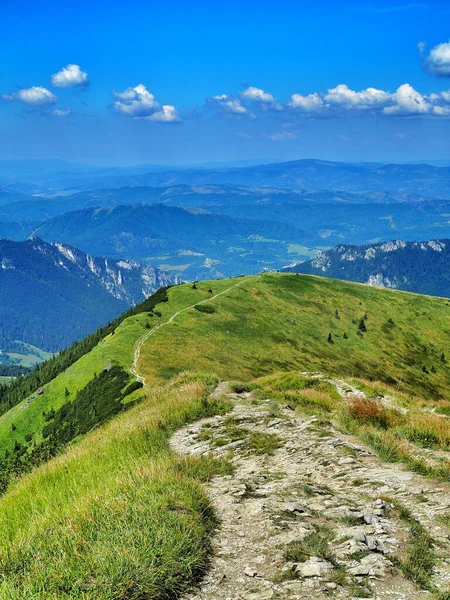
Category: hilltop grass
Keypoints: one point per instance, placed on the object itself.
(118, 516)
(281, 322)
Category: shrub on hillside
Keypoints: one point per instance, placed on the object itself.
(370, 412)
(205, 308)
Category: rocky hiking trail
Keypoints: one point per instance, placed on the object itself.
(309, 511)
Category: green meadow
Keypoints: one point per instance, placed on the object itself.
(117, 515)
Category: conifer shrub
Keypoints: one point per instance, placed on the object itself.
(205, 308)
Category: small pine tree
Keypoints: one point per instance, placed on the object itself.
(362, 326)
(425, 370)
(336, 314)
(66, 393)
(147, 325)
(345, 336)
(210, 291)
(194, 286)
(390, 321)
(330, 338)
(443, 358)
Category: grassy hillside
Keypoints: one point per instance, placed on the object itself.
(280, 322)
(262, 325)
(117, 515)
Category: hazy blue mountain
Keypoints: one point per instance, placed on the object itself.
(18, 230)
(328, 217)
(188, 241)
(422, 267)
(300, 174)
(53, 294)
(241, 201)
(425, 179)
(227, 196)
(23, 168)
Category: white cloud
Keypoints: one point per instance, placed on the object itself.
(139, 103)
(309, 104)
(337, 101)
(264, 99)
(69, 77)
(441, 111)
(257, 95)
(167, 114)
(438, 60)
(33, 96)
(229, 106)
(58, 112)
(440, 97)
(408, 101)
(370, 98)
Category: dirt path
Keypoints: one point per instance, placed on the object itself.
(142, 340)
(318, 480)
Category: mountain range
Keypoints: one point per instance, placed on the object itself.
(421, 267)
(188, 241)
(305, 174)
(53, 294)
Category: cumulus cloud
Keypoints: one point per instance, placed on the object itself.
(139, 103)
(167, 114)
(340, 100)
(261, 97)
(438, 60)
(33, 96)
(405, 101)
(229, 106)
(257, 95)
(343, 96)
(408, 101)
(58, 112)
(441, 97)
(311, 103)
(70, 76)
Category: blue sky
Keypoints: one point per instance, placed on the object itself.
(109, 82)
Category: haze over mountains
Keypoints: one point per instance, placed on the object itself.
(305, 174)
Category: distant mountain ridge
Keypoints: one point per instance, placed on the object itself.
(422, 267)
(190, 242)
(54, 294)
(421, 178)
(306, 174)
